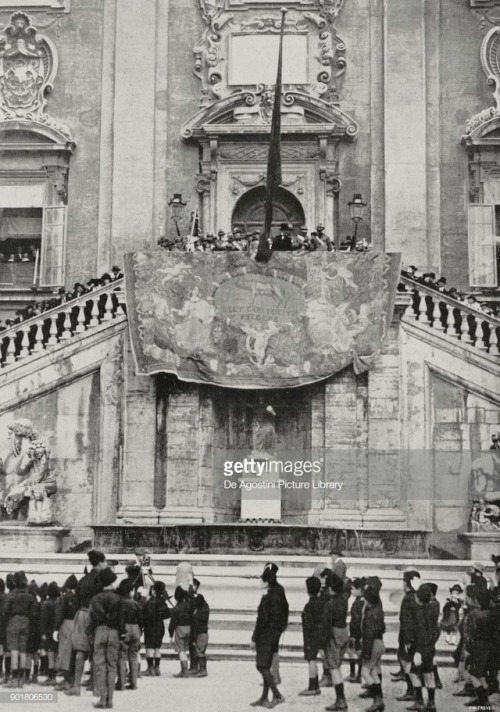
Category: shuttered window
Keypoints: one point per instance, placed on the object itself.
(482, 246)
(53, 246)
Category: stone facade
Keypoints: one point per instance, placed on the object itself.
(401, 80)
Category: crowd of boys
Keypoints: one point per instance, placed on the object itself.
(47, 630)
(470, 621)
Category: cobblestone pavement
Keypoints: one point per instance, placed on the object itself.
(230, 687)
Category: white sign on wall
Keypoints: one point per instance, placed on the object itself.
(254, 59)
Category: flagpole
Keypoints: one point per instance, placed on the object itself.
(273, 180)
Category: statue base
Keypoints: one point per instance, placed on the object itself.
(23, 539)
(481, 545)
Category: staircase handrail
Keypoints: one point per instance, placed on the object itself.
(455, 303)
(112, 287)
(62, 322)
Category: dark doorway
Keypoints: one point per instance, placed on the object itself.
(248, 213)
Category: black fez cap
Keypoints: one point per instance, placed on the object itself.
(374, 583)
(95, 557)
(270, 566)
(107, 577)
(126, 585)
(371, 594)
(313, 585)
(52, 590)
(424, 593)
(20, 580)
(71, 583)
(159, 588)
(433, 588)
(408, 576)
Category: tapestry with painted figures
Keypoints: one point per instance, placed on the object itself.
(224, 318)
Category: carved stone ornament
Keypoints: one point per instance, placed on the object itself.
(315, 19)
(28, 66)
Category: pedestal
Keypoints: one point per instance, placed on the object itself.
(24, 539)
(481, 545)
(260, 498)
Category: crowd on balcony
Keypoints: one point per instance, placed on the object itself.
(288, 239)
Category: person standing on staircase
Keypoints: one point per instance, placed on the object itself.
(311, 626)
(275, 666)
(199, 633)
(423, 650)
(18, 615)
(180, 628)
(88, 587)
(372, 643)
(406, 634)
(268, 628)
(130, 643)
(155, 612)
(106, 626)
(335, 637)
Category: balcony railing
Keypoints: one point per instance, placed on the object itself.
(84, 314)
(453, 318)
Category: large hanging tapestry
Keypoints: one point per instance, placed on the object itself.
(225, 319)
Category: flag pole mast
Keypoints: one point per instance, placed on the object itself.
(274, 179)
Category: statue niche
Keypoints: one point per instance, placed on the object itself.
(27, 481)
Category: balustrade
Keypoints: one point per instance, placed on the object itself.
(458, 321)
(62, 323)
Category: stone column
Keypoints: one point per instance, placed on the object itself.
(105, 491)
(139, 435)
(317, 449)
(135, 166)
(405, 129)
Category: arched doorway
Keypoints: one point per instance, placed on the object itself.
(248, 213)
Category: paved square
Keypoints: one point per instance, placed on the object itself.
(230, 687)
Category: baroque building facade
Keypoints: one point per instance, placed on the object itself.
(109, 108)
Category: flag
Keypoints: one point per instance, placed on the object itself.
(273, 180)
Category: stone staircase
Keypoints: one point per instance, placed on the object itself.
(61, 327)
(230, 584)
(452, 320)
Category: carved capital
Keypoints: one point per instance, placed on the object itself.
(203, 184)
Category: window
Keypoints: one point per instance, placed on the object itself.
(32, 238)
(483, 243)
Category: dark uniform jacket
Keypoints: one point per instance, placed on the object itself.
(407, 619)
(285, 610)
(201, 613)
(271, 614)
(435, 611)
(106, 609)
(181, 616)
(131, 612)
(66, 607)
(19, 603)
(372, 627)
(48, 618)
(155, 611)
(334, 615)
(88, 587)
(283, 242)
(311, 627)
(424, 641)
(356, 616)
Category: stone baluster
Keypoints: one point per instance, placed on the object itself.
(422, 310)
(410, 311)
(10, 355)
(464, 329)
(80, 319)
(436, 316)
(120, 311)
(480, 343)
(39, 345)
(450, 322)
(108, 308)
(94, 313)
(52, 340)
(493, 340)
(66, 333)
(25, 343)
